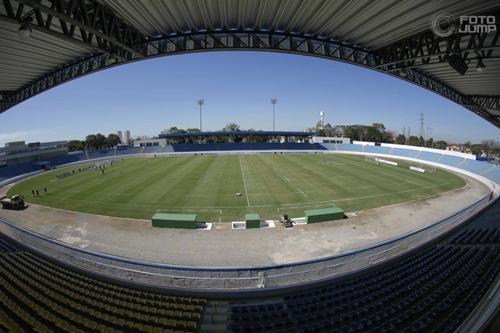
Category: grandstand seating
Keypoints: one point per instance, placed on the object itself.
(7, 172)
(344, 146)
(476, 166)
(451, 160)
(493, 174)
(405, 152)
(433, 288)
(37, 293)
(245, 146)
(377, 149)
(429, 156)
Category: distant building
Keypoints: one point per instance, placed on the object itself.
(150, 142)
(126, 137)
(120, 135)
(454, 148)
(330, 139)
(19, 152)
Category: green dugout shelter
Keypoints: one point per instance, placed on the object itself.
(252, 221)
(182, 221)
(323, 214)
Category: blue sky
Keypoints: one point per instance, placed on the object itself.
(148, 96)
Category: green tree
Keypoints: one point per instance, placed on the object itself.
(400, 139)
(91, 142)
(413, 141)
(112, 140)
(441, 144)
(429, 143)
(100, 141)
(75, 145)
(373, 134)
(231, 127)
(388, 137)
(421, 141)
(379, 127)
(350, 132)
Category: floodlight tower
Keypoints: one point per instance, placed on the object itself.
(322, 119)
(200, 103)
(274, 100)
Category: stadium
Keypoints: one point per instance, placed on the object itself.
(296, 234)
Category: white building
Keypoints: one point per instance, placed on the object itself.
(150, 142)
(329, 139)
(20, 152)
(126, 137)
(120, 135)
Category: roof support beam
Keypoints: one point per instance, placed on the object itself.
(253, 40)
(427, 48)
(85, 21)
(487, 102)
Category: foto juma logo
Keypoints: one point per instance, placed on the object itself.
(444, 24)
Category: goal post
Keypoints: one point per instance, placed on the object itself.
(421, 167)
(372, 159)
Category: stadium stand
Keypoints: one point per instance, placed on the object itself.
(493, 174)
(377, 150)
(7, 172)
(245, 146)
(475, 166)
(37, 293)
(343, 146)
(405, 152)
(429, 156)
(433, 288)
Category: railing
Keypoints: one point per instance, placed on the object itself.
(238, 279)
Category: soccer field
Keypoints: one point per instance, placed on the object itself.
(270, 184)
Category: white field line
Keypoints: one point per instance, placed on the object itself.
(286, 179)
(244, 181)
(302, 192)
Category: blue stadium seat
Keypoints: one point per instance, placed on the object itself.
(405, 152)
(476, 166)
(349, 147)
(429, 156)
(450, 160)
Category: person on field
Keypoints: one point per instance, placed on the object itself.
(33, 192)
(45, 190)
(37, 194)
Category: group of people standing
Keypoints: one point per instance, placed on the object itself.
(37, 192)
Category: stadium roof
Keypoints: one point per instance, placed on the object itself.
(71, 38)
(235, 133)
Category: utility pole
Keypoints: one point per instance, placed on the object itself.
(200, 103)
(422, 133)
(274, 101)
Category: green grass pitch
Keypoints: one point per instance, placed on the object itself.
(270, 184)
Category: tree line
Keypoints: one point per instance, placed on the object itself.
(94, 142)
(230, 127)
(375, 132)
